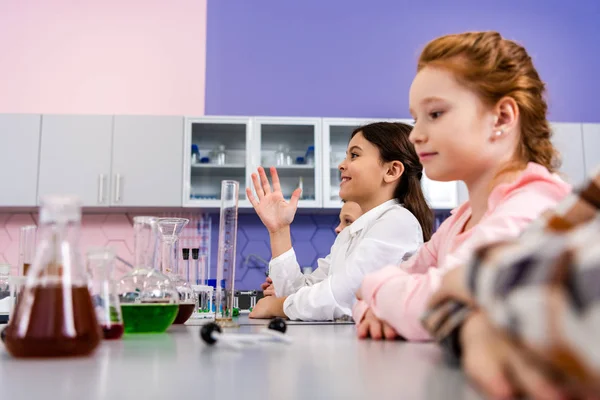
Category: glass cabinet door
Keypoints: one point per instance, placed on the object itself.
(293, 146)
(216, 149)
(336, 135)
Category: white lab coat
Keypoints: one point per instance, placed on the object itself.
(387, 234)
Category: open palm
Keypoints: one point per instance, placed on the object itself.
(274, 211)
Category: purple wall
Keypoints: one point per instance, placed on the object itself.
(356, 58)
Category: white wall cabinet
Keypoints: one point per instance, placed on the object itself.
(19, 162)
(591, 147)
(568, 140)
(147, 157)
(123, 161)
(75, 157)
(129, 161)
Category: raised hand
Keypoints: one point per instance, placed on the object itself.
(274, 211)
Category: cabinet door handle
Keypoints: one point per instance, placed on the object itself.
(101, 182)
(117, 188)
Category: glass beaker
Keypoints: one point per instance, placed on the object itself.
(26, 248)
(149, 301)
(5, 300)
(169, 230)
(101, 262)
(54, 316)
(145, 242)
(227, 246)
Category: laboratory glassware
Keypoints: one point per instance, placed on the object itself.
(101, 263)
(149, 300)
(26, 248)
(54, 316)
(169, 230)
(227, 249)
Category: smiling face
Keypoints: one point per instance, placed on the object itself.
(362, 171)
(348, 214)
(452, 127)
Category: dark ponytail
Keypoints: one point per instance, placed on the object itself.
(391, 138)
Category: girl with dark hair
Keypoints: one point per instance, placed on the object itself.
(381, 173)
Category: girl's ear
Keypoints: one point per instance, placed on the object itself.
(395, 169)
(507, 115)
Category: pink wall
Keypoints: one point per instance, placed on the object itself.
(114, 230)
(99, 57)
(103, 57)
(97, 230)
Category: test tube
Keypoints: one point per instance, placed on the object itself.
(26, 248)
(196, 267)
(189, 272)
(227, 246)
(203, 262)
(201, 266)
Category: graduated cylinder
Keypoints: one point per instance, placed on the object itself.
(227, 250)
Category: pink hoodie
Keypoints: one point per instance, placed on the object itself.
(398, 294)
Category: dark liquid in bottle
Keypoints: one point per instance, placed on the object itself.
(114, 331)
(61, 323)
(184, 313)
(26, 268)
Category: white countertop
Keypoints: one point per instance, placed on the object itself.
(324, 362)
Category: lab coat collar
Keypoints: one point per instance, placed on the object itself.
(367, 218)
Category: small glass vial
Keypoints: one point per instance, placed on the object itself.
(220, 155)
(288, 157)
(310, 155)
(280, 156)
(101, 262)
(26, 248)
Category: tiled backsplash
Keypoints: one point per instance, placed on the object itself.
(312, 237)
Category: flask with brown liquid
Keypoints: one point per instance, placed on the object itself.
(55, 316)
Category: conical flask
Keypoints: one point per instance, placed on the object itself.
(149, 301)
(169, 230)
(55, 316)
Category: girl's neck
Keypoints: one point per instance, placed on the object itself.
(371, 203)
(480, 189)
